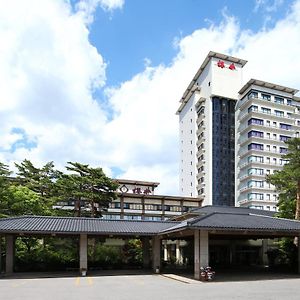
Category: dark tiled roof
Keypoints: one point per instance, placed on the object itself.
(64, 225)
(231, 209)
(223, 221)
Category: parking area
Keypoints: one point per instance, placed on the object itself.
(144, 286)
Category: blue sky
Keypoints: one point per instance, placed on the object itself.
(148, 29)
(99, 81)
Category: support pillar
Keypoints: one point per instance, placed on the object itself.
(201, 252)
(232, 253)
(264, 255)
(197, 254)
(10, 251)
(204, 254)
(83, 254)
(165, 247)
(179, 259)
(156, 254)
(298, 242)
(146, 252)
(0, 254)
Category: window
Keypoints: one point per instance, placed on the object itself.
(266, 110)
(289, 102)
(254, 146)
(116, 205)
(254, 121)
(255, 183)
(279, 100)
(266, 97)
(255, 171)
(252, 108)
(284, 138)
(255, 133)
(289, 115)
(268, 123)
(255, 196)
(254, 158)
(285, 126)
(253, 95)
(136, 206)
(283, 150)
(279, 113)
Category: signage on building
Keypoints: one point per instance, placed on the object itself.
(221, 64)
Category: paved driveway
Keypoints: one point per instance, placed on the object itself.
(144, 287)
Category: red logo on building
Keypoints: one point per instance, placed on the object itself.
(232, 66)
(221, 64)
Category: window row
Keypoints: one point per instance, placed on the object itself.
(255, 121)
(267, 160)
(261, 196)
(267, 97)
(156, 207)
(255, 146)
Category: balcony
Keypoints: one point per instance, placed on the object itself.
(259, 139)
(261, 114)
(271, 128)
(262, 101)
(248, 176)
(263, 164)
(244, 152)
(258, 189)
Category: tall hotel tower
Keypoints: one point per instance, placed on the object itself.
(267, 115)
(207, 130)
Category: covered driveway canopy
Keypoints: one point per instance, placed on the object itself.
(200, 224)
(91, 226)
(225, 220)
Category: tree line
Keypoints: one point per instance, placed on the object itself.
(37, 191)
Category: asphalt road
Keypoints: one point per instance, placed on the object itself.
(145, 287)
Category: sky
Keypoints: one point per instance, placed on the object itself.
(99, 81)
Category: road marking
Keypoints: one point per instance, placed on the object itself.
(18, 284)
(77, 282)
(90, 280)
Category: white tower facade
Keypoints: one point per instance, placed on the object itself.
(207, 134)
(267, 115)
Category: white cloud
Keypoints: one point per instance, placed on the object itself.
(268, 5)
(49, 70)
(86, 8)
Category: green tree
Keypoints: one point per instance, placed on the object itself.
(287, 182)
(42, 181)
(88, 187)
(4, 188)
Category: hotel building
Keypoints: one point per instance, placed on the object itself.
(267, 115)
(136, 200)
(232, 136)
(207, 129)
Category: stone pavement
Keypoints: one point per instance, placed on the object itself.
(145, 287)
